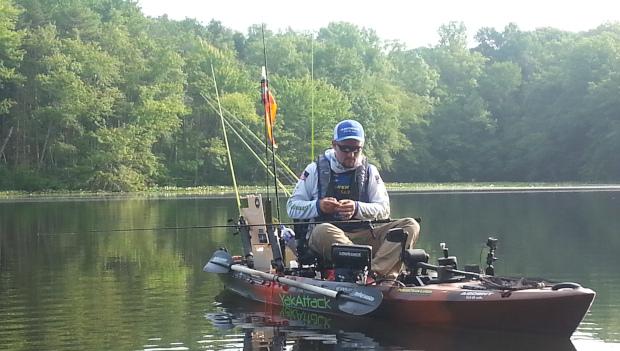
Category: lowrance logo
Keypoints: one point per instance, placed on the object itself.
(350, 254)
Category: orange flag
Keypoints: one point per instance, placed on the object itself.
(271, 108)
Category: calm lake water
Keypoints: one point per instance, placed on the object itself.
(67, 282)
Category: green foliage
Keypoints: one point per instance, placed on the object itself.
(294, 124)
(346, 55)
(288, 53)
(123, 160)
(10, 53)
(460, 123)
(93, 94)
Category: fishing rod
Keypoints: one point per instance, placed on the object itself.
(285, 171)
(288, 193)
(230, 163)
(258, 158)
(370, 222)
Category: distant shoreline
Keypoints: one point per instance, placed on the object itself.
(510, 188)
(228, 192)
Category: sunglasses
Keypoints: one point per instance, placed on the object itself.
(348, 148)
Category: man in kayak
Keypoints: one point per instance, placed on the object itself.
(341, 185)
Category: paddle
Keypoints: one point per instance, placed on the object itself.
(360, 301)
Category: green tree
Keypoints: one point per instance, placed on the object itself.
(10, 53)
(346, 55)
(461, 122)
(95, 94)
(10, 58)
(295, 111)
(288, 53)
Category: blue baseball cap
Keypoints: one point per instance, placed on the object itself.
(349, 129)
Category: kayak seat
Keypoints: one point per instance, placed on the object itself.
(305, 255)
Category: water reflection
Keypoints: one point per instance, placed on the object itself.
(146, 289)
(246, 325)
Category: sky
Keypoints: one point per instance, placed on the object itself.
(412, 22)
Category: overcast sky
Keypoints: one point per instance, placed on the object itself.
(412, 22)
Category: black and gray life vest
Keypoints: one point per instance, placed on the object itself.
(352, 185)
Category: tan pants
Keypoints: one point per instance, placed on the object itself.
(386, 255)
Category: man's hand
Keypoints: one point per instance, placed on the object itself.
(329, 205)
(346, 210)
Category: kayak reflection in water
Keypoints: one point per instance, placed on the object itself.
(281, 328)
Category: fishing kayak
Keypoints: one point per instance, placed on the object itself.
(423, 294)
(556, 309)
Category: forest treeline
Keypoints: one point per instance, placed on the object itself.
(95, 95)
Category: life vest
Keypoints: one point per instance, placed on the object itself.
(352, 185)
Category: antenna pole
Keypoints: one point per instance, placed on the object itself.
(312, 98)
